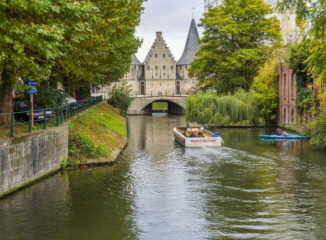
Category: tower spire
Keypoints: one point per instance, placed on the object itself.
(192, 45)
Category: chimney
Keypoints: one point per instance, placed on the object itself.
(158, 34)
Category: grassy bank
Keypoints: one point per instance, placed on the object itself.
(96, 136)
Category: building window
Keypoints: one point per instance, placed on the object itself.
(292, 86)
(156, 67)
(163, 67)
(285, 115)
(148, 67)
(292, 115)
(177, 87)
(172, 68)
(150, 55)
(163, 55)
(284, 79)
(142, 88)
(155, 55)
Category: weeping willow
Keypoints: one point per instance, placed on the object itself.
(238, 109)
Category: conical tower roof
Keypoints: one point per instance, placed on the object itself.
(135, 61)
(192, 45)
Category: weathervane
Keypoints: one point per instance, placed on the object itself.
(193, 12)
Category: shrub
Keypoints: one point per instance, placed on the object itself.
(120, 99)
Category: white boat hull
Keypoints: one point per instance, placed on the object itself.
(197, 142)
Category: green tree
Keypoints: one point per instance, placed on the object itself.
(31, 38)
(237, 40)
(101, 53)
(299, 56)
(265, 86)
(77, 43)
(311, 15)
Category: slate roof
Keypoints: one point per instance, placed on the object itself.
(192, 45)
(135, 61)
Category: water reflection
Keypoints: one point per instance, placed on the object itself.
(249, 189)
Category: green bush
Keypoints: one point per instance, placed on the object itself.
(120, 99)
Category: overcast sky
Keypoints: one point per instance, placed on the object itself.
(172, 17)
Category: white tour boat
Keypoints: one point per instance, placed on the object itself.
(202, 138)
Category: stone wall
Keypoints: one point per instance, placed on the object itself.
(28, 157)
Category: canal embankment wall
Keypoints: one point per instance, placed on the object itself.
(95, 137)
(31, 156)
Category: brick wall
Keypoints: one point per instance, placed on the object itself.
(287, 95)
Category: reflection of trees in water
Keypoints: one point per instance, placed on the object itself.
(154, 133)
(37, 212)
(102, 203)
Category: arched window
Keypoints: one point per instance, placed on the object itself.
(163, 55)
(163, 67)
(155, 55)
(172, 68)
(285, 119)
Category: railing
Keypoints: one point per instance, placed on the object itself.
(159, 94)
(43, 118)
(138, 95)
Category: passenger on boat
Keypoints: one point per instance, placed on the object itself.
(188, 132)
(215, 134)
(192, 135)
(278, 132)
(284, 134)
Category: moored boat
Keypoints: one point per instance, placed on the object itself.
(289, 136)
(204, 138)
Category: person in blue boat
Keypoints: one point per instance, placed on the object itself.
(215, 134)
(192, 135)
(279, 133)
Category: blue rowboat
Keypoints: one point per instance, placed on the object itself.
(290, 136)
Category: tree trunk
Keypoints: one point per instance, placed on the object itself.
(6, 97)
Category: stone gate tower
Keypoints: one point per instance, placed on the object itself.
(161, 74)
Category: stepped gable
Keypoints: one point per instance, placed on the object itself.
(192, 45)
(159, 44)
(135, 61)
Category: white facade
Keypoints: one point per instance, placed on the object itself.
(289, 29)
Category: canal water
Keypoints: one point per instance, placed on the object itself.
(249, 189)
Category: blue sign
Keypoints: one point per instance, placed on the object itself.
(33, 85)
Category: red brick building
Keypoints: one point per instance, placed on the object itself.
(287, 95)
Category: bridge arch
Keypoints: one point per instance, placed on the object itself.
(143, 105)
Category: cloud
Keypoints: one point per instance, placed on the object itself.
(173, 18)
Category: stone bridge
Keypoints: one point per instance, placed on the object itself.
(143, 105)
